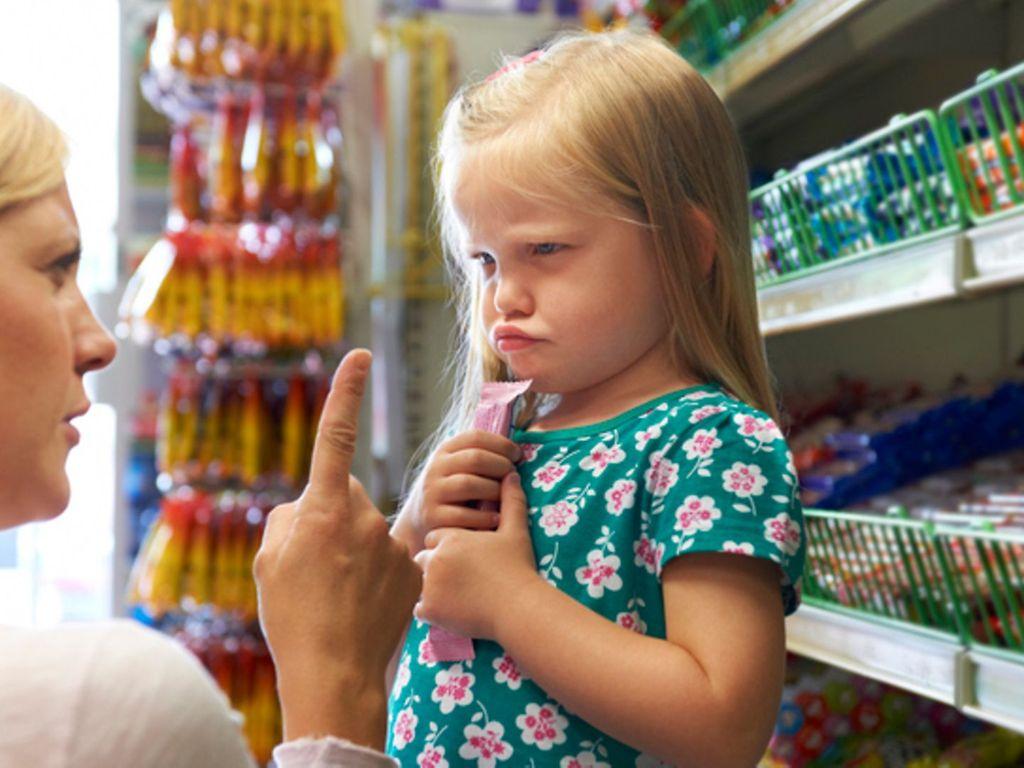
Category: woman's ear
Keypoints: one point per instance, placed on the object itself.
(703, 230)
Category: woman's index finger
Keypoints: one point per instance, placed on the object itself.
(339, 426)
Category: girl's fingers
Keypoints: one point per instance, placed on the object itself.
(488, 441)
(457, 489)
(451, 516)
(477, 461)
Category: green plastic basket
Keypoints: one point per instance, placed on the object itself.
(985, 571)
(887, 190)
(887, 569)
(984, 127)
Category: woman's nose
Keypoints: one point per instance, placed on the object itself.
(94, 346)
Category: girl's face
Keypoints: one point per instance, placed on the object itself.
(49, 339)
(570, 299)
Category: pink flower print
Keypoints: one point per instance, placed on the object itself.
(453, 687)
(705, 412)
(600, 457)
(662, 474)
(542, 725)
(507, 672)
(600, 573)
(620, 496)
(738, 548)
(699, 395)
(529, 451)
(405, 728)
(548, 476)
(584, 759)
(631, 620)
(557, 519)
(427, 657)
(485, 745)
(653, 432)
(431, 757)
(403, 675)
(784, 532)
(697, 513)
(790, 465)
(702, 444)
(648, 554)
(744, 480)
(762, 430)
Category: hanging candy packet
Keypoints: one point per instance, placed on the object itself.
(493, 414)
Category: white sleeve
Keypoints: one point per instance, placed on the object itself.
(110, 694)
(329, 752)
(149, 702)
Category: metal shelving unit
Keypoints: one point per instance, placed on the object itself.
(954, 663)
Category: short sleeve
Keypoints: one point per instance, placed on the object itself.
(726, 483)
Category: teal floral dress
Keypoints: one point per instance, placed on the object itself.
(610, 505)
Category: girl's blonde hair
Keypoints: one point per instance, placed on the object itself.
(618, 123)
(32, 150)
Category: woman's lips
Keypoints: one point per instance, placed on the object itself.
(71, 433)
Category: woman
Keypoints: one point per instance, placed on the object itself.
(116, 694)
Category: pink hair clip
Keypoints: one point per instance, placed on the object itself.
(522, 61)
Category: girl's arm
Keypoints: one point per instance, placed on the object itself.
(706, 696)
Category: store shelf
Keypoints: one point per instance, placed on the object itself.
(919, 274)
(922, 662)
(812, 40)
(997, 255)
(996, 687)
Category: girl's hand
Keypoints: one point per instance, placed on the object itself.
(468, 576)
(465, 469)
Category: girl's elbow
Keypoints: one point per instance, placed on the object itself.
(737, 739)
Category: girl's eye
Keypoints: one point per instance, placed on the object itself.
(546, 249)
(484, 259)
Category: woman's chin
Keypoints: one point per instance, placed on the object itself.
(42, 501)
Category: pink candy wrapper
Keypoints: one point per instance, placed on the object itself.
(493, 414)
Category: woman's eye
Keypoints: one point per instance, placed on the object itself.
(61, 271)
(546, 249)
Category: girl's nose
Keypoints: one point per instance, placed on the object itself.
(512, 297)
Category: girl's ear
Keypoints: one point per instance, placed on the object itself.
(703, 236)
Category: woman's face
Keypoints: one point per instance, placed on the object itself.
(49, 340)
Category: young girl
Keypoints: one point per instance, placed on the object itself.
(629, 610)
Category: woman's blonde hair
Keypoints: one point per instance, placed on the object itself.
(618, 123)
(32, 150)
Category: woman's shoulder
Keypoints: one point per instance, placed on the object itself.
(121, 689)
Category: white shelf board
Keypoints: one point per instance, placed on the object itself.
(801, 24)
(996, 690)
(920, 274)
(924, 665)
(997, 255)
(800, 51)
